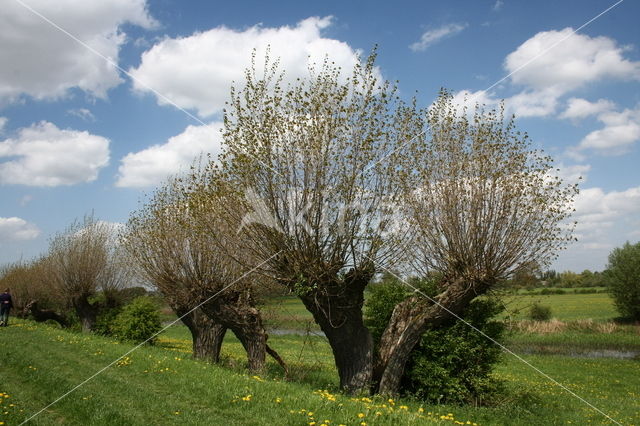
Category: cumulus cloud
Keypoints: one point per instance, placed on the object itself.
(551, 64)
(605, 220)
(564, 62)
(621, 130)
(151, 166)
(578, 108)
(533, 103)
(432, 37)
(41, 61)
(196, 72)
(82, 113)
(576, 173)
(17, 229)
(44, 155)
(597, 211)
(524, 104)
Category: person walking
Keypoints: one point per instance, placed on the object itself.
(5, 306)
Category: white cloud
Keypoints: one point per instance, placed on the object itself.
(43, 155)
(524, 104)
(553, 63)
(151, 166)
(468, 99)
(26, 199)
(578, 108)
(82, 113)
(431, 37)
(576, 173)
(533, 103)
(597, 210)
(620, 131)
(41, 61)
(498, 5)
(605, 220)
(548, 73)
(573, 61)
(196, 72)
(17, 229)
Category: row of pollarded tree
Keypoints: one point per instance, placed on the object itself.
(330, 180)
(82, 273)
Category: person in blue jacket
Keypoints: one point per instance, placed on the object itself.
(5, 306)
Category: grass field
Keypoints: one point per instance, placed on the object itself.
(564, 307)
(288, 312)
(162, 385)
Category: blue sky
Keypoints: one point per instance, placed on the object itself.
(77, 134)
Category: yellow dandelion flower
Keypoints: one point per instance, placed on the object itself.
(360, 415)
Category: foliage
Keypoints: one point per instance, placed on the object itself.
(547, 291)
(623, 275)
(451, 363)
(488, 205)
(138, 321)
(539, 312)
(86, 260)
(106, 320)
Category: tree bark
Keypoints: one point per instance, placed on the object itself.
(86, 312)
(245, 322)
(206, 334)
(337, 309)
(41, 315)
(278, 359)
(410, 319)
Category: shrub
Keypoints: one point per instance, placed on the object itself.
(105, 322)
(539, 312)
(623, 277)
(546, 291)
(138, 321)
(451, 364)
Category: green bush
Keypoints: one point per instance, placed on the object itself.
(546, 291)
(623, 277)
(539, 312)
(451, 364)
(105, 322)
(138, 321)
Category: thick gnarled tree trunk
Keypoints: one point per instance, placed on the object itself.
(337, 309)
(410, 319)
(206, 334)
(245, 322)
(87, 313)
(41, 315)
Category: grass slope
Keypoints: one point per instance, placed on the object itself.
(161, 385)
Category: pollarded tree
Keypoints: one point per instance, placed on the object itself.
(85, 259)
(161, 252)
(484, 206)
(181, 248)
(316, 166)
(33, 291)
(623, 277)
